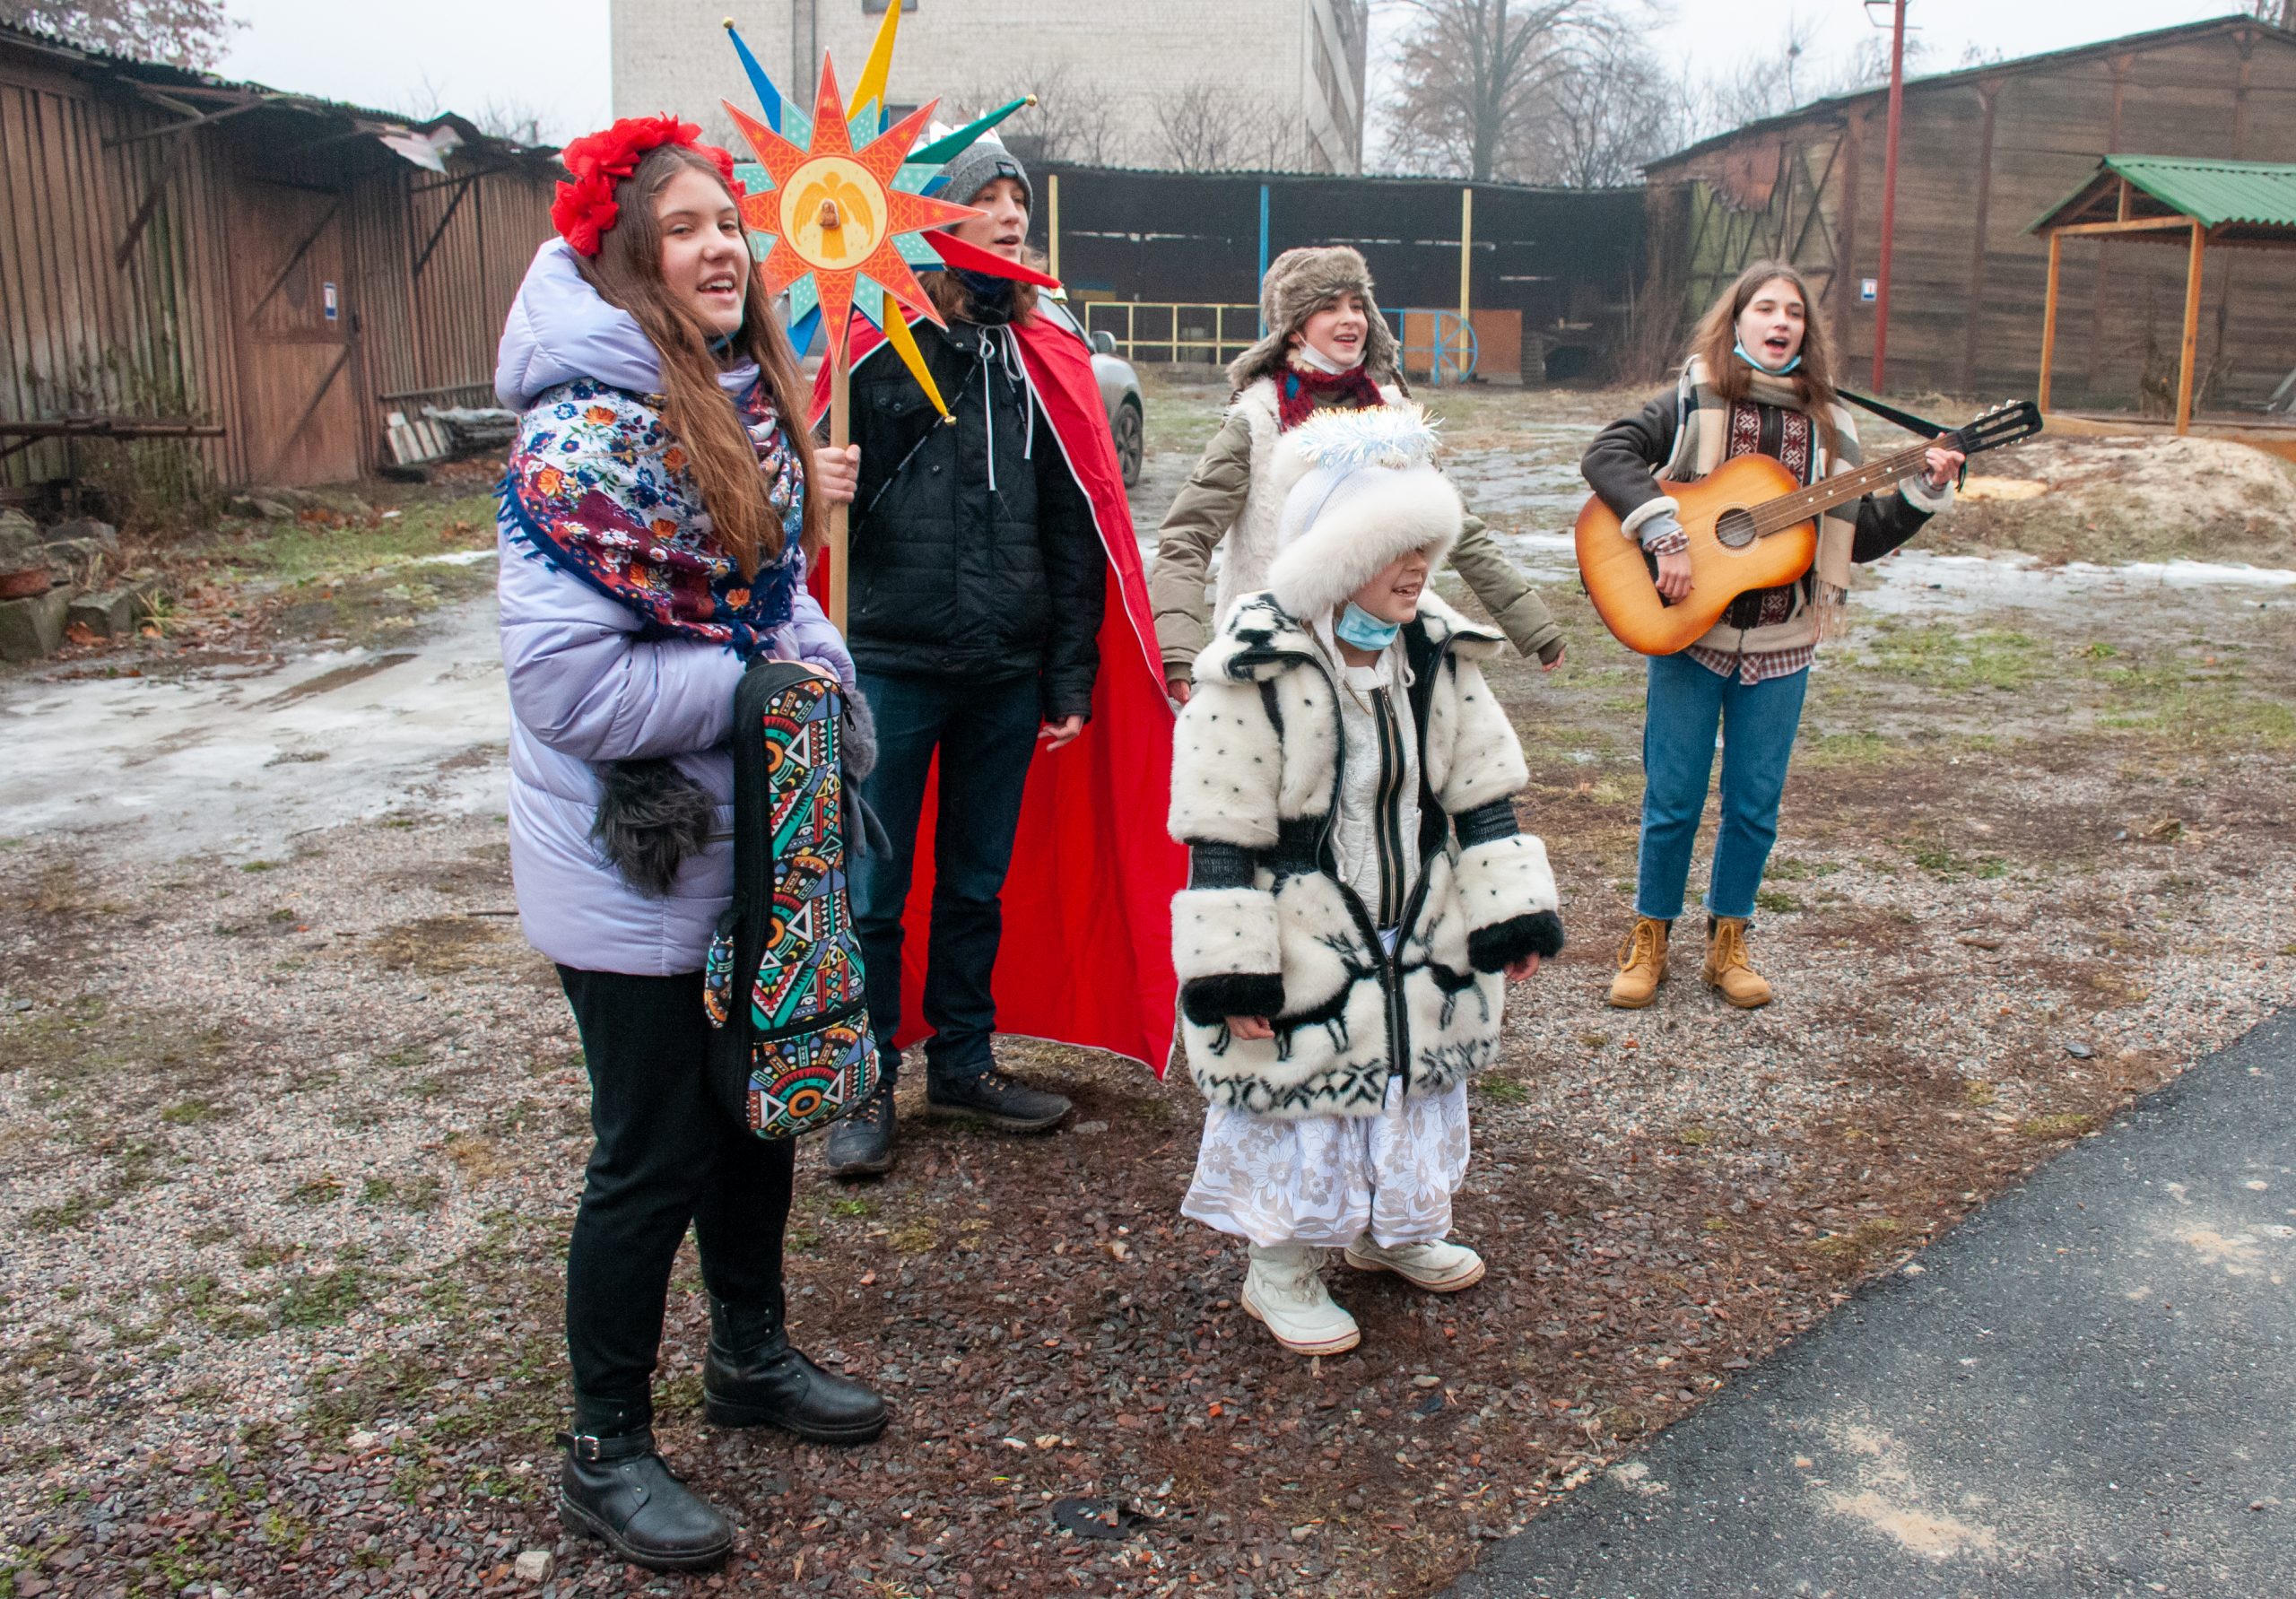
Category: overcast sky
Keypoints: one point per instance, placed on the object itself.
(551, 56)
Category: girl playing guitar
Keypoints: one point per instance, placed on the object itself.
(1758, 379)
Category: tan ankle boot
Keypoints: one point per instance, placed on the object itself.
(1642, 965)
(1727, 971)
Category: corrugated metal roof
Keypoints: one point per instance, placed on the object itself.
(2249, 193)
(1836, 104)
(2215, 191)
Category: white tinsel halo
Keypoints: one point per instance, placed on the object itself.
(1393, 437)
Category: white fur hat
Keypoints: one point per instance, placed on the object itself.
(1366, 491)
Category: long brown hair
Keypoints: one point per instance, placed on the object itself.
(1714, 340)
(627, 272)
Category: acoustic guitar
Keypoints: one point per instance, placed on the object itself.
(1750, 526)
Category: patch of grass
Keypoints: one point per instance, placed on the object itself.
(116, 1053)
(1692, 1136)
(917, 1236)
(1945, 862)
(323, 1299)
(1501, 1090)
(1868, 1235)
(1982, 1095)
(1954, 658)
(1776, 901)
(434, 946)
(259, 866)
(319, 1190)
(852, 1207)
(2063, 1125)
(417, 1194)
(1791, 870)
(189, 1113)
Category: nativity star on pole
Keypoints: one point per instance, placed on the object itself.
(834, 214)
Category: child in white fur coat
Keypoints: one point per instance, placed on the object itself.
(1360, 894)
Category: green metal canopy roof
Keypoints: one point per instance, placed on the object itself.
(2256, 194)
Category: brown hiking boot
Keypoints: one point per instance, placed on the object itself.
(1642, 965)
(1727, 971)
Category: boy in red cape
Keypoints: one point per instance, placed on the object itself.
(996, 605)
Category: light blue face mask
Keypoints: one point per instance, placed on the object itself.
(1773, 371)
(1364, 631)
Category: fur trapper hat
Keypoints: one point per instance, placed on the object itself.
(1370, 493)
(1298, 283)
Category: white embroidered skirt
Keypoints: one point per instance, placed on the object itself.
(1326, 1181)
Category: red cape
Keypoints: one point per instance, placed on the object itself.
(1087, 957)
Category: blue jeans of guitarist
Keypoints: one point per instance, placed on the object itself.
(1687, 704)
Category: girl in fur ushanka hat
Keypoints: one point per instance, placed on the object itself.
(1327, 347)
(1359, 895)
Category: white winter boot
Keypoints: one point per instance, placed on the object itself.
(1438, 1267)
(1283, 1290)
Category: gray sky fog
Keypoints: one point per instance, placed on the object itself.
(550, 58)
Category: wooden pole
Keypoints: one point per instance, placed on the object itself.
(1889, 196)
(1052, 225)
(2049, 318)
(840, 434)
(2192, 330)
(1467, 277)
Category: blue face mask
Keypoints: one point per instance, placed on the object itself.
(1364, 631)
(1773, 371)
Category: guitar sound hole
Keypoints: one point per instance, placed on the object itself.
(1735, 529)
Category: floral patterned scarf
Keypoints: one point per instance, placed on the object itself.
(598, 488)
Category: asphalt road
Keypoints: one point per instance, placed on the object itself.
(2090, 1388)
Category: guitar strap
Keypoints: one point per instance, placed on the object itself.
(1888, 413)
(1904, 419)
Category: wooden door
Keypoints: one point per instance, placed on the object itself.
(298, 405)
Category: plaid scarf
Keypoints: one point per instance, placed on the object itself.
(1302, 391)
(599, 488)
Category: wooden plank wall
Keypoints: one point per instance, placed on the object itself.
(211, 313)
(78, 332)
(2000, 148)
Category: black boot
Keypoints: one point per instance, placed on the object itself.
(753, 1379)
(862, 1145)
(1004, 1103)
(618, 1490)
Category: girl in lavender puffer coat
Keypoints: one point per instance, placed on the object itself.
(653, 529)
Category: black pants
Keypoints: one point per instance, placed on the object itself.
(985, 736)
(667, 1153)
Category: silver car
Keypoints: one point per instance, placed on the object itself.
(1119, 390)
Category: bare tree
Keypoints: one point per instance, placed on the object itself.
(1755, 86)
(508, 116)
(1473, 74)
(2279, 14)
(1205, 127)
(1068, 123)
(188, 33)
(1595, 124)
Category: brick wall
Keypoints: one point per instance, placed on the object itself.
(1258, 59)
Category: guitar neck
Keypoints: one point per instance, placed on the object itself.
(1791, 511)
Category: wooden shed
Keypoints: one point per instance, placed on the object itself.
(289, 269)
(1984, 151)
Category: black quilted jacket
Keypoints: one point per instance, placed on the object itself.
(974, 550)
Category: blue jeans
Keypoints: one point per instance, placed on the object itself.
(1758, 723)
(986, 735)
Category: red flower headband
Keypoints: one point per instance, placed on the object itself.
(585, 208)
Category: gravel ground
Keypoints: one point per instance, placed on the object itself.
(292, 1146)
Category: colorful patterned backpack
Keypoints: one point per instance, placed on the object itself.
(793, 1049)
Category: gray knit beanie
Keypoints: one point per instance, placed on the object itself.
(981, 163)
